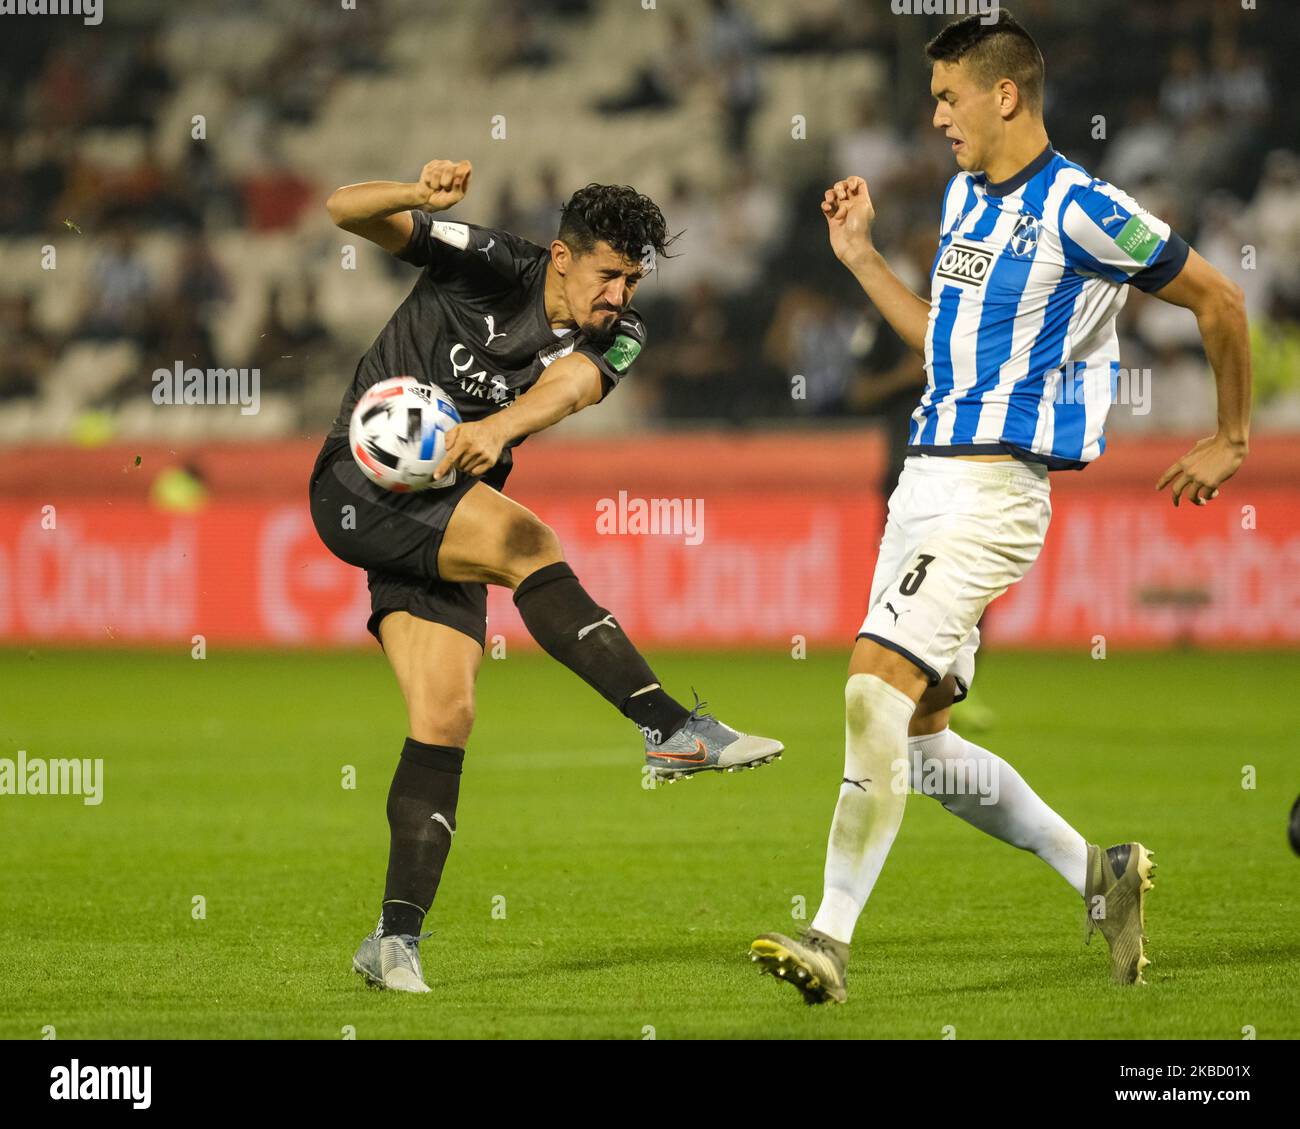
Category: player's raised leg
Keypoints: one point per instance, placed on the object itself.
(493, 539)
(436, 667)
(985, 791)
(988, 793)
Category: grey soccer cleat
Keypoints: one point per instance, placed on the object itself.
(705, 743)
(814, 964)
(391, 962)
(1117, 879)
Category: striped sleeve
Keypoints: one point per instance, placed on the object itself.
(1105, 232)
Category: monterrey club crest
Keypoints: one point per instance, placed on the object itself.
(1025, 237)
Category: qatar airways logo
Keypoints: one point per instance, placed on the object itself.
(965, 265)
(477, 383)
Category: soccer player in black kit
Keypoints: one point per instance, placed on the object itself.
(519, 336)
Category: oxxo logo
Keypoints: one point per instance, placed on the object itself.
(966, 265)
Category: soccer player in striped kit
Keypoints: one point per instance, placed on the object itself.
(1021, 353)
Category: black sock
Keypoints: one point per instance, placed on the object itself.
(421, 819)
(655, 710)
(573, 629)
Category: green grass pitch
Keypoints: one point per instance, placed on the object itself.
(579, 904)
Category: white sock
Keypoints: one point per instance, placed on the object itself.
(871, 803)
(989, 794)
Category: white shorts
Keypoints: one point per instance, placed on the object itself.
(958, 535)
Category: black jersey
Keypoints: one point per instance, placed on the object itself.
(475, 325)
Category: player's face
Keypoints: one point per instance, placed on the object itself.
(967, 114)
(599, 287)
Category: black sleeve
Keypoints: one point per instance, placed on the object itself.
(614, 354)
(444, 246)
(1165, 267)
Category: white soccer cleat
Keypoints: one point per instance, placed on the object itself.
(391, 962)
(703, 744)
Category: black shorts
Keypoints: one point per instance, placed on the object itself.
(396, 538)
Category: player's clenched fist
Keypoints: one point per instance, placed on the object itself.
(472, 447)
(849, 215)
(443, 185)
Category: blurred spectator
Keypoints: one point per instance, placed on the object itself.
(207, 187)
(1186, 90)
(201, 280)
(183, 335)
(66, 91)
(509, 37)
(749, 220)
(810, 337)
(507, 214)
(887, 383)
(1239, 82)
(275, 194)
(871, 149)
(699, 254)
(285, 349)
(823, 26)
(1222, 239)
(732, 53)
(668, 79)
(140, 85)
(1143, 147)
(148, 194)
(541, 221)
(29, 352)
(697, 371)
(120, 288)
(1273, 220)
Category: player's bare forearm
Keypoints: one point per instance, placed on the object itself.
(1220, 310)
(1226, 337)
(371, 200)
(379, 210)
(569, 385)
(907, 312)
(849, 214)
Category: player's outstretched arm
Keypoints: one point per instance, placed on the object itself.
(569, 385)
(380, 210)
(849, 215)
(1220, 310)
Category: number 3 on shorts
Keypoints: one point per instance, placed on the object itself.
(910, 583)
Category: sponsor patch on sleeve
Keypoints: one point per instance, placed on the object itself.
(456, 234)
(1138, 240)
(623, 352)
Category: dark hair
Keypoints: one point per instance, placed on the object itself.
(1002, 49)
(617, 214)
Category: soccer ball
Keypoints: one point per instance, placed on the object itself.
(398, 434)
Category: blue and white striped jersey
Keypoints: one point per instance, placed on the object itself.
(1021, 353)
